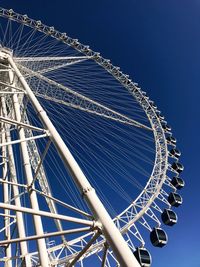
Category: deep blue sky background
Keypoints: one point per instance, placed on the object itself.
(158, 44)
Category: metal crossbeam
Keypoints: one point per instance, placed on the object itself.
(49, 215)
(14, 122)
(24, 140)
(109, 230)
(35, 237)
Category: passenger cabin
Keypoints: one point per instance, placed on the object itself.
(143, 257)
(154, 106)
(175, 152)
(166, 127)
(175, 199)
(178, 167)
(171, 140)
(169, 217)
(158, 237)
(178, 182)
(161, 117)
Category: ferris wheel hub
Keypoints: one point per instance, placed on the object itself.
(32, 89)
(4, 53)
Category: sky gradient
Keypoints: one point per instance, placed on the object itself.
(158, 44)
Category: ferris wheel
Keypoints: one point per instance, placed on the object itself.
(89, 166)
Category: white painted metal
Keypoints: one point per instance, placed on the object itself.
(8, 251)
(112, 234)
(64, 204)
(24, 140)
(39, 173)
(29, 177)
(12, 86)
(105, 110)
(35, 237)
(140, 207)
(14, 122)
(49, 58)
(12, 183)
(19, 216)
(81, 253)
(50, 215)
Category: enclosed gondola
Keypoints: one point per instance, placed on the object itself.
(177, 182)
(143, 256)
(161, 117)
(154, 106)
(171, 140)
(175, 199)
(169, 217)
(175, 153)
(144, 93)
(158, 237)
(166, 127)
(178, 167)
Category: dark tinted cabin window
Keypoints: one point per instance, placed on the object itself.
(180, 181)
(177, 198)
(161, 235)
(172, 215)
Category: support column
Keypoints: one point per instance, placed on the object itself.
(8, 251)
(120, 248)
(43, 255)
(13, 177)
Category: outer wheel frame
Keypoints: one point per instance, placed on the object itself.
(144, 203)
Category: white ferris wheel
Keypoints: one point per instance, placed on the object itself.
(89, 166)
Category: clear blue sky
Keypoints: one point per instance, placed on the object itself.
(158, 44)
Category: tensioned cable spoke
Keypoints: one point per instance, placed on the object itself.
(69, 78)
(64, 62)
(38, 59)
(84, 103)
(63, 204)
(45, 70)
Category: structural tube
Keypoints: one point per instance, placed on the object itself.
(120, 248)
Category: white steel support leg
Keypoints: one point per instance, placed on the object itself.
(43, 255)
(19, 216)
(8, 252)
(120, 248)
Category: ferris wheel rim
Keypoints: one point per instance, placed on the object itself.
(105, 63)
(159, 134)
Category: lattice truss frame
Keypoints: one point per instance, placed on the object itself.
(142, 211)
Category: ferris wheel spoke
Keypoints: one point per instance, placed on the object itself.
(64, 204)
(60, 66)
(49, 58)
(76, 100)
(96, 110)
(51, 81)
(47, 64)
